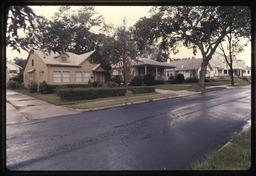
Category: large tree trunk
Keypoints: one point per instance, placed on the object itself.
(203, 72)
(232, 75)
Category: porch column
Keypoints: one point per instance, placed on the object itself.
(146, 69)
(156, 73)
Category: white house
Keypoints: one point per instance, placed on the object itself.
(221, 68)
(12, 68)
(189, 68)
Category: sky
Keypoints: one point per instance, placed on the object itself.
(115, 15)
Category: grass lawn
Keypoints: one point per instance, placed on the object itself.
(236, 156)
(120, 101)
(55, 99)
(194, 86)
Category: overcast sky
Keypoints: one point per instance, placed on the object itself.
(114, 15)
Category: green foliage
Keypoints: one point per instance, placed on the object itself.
(191, 80)
(180, 79)
(149, 79)
(72, 94)
(13, 84)
(142, 89)
(136, 81)
(95, 84)
(44, 88)
(33, 87)
(111, 84)
(21, 18)
(18, 78)
(89, 84)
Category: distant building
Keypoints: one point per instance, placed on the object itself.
(216, 68)
(13, 69)
(189, 68)
(143, 66)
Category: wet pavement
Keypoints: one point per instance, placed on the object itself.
(170, 134)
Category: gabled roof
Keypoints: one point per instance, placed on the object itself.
(13, 64)
(150, 62)
(192, 64)
(73, 60)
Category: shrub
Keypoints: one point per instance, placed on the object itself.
(142, 89)
(111, 84)
(44, 88)
(148, 79)
(95, 84)
(158, 82)
(33, 87)
(72, 94)
(89, 83)
(180, 78)
(136, 81)
(191, 80)
(13, 84)
(18, 78)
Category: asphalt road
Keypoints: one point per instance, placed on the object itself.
(164, 135)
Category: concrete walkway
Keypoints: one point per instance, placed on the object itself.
(21, 107)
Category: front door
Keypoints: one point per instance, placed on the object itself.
(98, 76)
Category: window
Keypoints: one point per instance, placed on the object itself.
(86, 76)
(79, 76)
(13, 71)
(82, 76)
(30, 77)
(61, 76)
(57, 76)
(225, 71)
(41, 76)
(65, 76)
(63, 59)
(32, 62)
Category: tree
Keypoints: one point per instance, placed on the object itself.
(21, 18)
(20, 62)
(121, 51)
(237, 32)
(196, 27)
(70, 30)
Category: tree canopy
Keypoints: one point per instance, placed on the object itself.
(196, 27)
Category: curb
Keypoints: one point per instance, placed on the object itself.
(123, 104)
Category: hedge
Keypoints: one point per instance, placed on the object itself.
(71, 94)
(142, 89)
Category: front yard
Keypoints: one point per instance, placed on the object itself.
(53, 98)
(235, 156)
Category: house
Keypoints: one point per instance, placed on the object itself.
(247, 71)
(222, 69)
(143, 66)
(61, 68)
(13, 69)
(189, 68)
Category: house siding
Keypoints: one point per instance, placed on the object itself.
(39, 65)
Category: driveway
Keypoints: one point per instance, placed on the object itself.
(170, 134)
(21, 107)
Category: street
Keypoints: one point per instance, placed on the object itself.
(170, 134)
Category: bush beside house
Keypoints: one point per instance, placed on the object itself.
(149, 79)
(137, 81)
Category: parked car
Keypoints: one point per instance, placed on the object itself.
(117, 79)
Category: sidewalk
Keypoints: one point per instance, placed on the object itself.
(21, 107)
